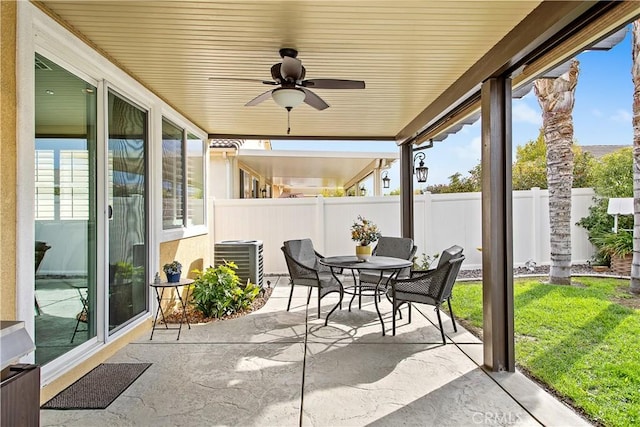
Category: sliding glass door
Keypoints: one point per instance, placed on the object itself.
(65, 210)
(127, 190)
(67, 153)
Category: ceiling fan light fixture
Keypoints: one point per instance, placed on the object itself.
(288, 97)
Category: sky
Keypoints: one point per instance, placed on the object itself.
(602, 115)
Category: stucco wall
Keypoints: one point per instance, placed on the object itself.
(193, 253)
(8, 160)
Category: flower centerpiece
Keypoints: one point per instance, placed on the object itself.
(364, 232)
(173, 271)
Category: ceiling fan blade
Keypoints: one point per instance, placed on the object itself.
(291, 68)
(314, 100)
(275, 72)
(333, 84)
(258, 99)
(240, 79)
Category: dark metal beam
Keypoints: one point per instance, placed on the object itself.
(406, 190)
(497, 226)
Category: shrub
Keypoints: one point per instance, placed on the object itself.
(217, 291)
(612, 177)
(425, 261)
(619, 244)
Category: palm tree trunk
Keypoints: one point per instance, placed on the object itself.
(556, 99)
(634, 285)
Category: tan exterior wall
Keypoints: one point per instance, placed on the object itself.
(193, 253)
(8, 160)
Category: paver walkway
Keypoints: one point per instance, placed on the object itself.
(279, 368)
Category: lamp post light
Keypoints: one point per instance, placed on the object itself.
(420, 171)
(386, 180)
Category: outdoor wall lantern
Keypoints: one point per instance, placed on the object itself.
(264, 192)
(363, 191)
(420, 171)
(386, 180)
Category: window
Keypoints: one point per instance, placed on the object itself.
(61, 180)
(249, 185)
(172, 176)
(45, 183)
(195, 180)
(182, 177)
(74, 184)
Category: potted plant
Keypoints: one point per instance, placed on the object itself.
(619, 247)
(173, 271)
(364, 232)
(217, 292)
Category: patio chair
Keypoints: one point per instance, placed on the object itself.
(432, 287)
(396, 247)
(305, 270)
(41, 249)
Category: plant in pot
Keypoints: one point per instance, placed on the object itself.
(173, 270)
(619, 247)
(364, 232)
(216, 292)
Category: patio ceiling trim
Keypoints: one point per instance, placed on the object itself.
(589, 34)
(302, 137)
(549, 22)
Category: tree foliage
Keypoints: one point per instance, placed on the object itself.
(530, 167)
(529, 170)
(612, 177)
(335, 192)
(613, 174)
(460, 184)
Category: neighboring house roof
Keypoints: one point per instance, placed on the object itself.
(598, 151)
(312, 171)
(226, 143)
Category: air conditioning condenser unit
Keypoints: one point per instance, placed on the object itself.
(246, 254)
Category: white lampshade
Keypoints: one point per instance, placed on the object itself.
(288, 97)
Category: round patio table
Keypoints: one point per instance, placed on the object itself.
(377, 263)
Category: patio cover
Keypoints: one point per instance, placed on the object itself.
(312, 171)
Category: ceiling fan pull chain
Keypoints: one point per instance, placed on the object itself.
(288, 120)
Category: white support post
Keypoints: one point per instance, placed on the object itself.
(535, 233)
(320, 225)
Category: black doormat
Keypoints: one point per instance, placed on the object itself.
(98, 388)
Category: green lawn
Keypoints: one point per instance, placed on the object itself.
(576, 340)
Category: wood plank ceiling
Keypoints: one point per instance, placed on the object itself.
(407, 52)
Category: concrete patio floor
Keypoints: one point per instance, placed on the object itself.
(279, 368)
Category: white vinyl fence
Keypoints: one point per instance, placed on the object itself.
(441, 220)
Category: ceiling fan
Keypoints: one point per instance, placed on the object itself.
(293, 89)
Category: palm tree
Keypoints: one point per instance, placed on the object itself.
(635, 76)
(556, 98)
